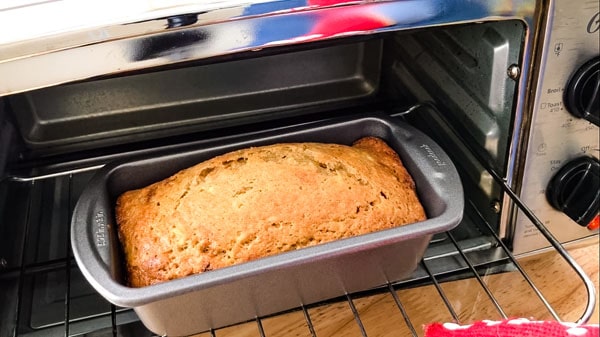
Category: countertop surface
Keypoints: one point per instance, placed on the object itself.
(381, 316)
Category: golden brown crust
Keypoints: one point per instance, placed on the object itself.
(261, 201)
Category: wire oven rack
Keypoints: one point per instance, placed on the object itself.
(393, 304)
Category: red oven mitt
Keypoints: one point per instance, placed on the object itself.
(519, 327)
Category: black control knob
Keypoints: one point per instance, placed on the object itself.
(575, 190)
(582, 95)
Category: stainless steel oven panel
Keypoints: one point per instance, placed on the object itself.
(571, 39)
(99, 40)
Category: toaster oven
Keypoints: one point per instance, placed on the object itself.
(509, 90)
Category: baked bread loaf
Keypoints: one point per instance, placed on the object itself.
(261, 201)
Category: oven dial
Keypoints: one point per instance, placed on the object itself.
(582, 97)
(575, 190)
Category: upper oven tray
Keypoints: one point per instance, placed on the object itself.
(276, 283)
(200, 97)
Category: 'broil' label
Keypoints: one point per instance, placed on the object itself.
(432, 155)
(100, 231)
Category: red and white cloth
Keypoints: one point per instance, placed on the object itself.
(519, 327)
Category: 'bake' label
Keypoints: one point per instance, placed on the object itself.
(432, 155)
(100, 231)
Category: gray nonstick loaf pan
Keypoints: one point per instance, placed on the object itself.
(268, 285)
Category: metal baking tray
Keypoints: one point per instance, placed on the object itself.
(195, 98)
(272, 284)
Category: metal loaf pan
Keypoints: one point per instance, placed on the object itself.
(265, 286)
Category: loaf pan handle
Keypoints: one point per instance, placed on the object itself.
(94, 237)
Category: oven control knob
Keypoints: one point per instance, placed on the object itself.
(582, 95)
(575, 190)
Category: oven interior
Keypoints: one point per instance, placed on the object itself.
(450, 82)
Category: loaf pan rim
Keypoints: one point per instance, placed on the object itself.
(126, 296)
